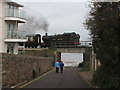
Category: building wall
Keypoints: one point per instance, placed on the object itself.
(4, 45)
(1, 27)
(16, 69)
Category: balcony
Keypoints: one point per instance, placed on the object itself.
(16, 36)
(15, 15)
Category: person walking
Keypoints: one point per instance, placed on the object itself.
(61, 66)
(57, 65)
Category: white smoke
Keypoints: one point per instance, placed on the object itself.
(34, 24)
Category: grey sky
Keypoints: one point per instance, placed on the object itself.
(61, 16)
(72, 59)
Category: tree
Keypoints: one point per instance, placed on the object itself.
(103, 23)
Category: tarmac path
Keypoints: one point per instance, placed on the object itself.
(70, 78)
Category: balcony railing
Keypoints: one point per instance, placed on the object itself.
(15, 13)
(16, 34)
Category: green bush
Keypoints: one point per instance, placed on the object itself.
(103, 23)
(85, 67)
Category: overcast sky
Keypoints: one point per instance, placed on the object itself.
(61, 16)
(72, 59)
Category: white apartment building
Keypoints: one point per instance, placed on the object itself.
(11, 15)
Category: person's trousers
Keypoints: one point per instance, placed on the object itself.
(61, 69)
(57, 69)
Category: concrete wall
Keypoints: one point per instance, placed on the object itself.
(17, 68)
(94, 62)
(1, 26)
(71, 50)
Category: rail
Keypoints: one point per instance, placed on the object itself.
(16, 34)
(81, 44)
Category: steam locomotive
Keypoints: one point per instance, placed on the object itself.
(34, 40)
(64, 39)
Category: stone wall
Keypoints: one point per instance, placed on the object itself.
(20, 68)
(0, 71)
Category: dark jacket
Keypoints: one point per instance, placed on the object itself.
(61, 64)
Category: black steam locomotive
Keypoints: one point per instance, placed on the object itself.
(65, 39)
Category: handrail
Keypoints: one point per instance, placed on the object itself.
(69, 44)
(16, 34)
(15, 13)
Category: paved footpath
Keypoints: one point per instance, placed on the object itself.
(70, 78)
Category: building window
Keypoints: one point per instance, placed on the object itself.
(10, 29)
(10, 10)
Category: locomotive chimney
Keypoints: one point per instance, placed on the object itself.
(46, 34)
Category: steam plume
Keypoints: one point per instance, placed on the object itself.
(34, 24)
